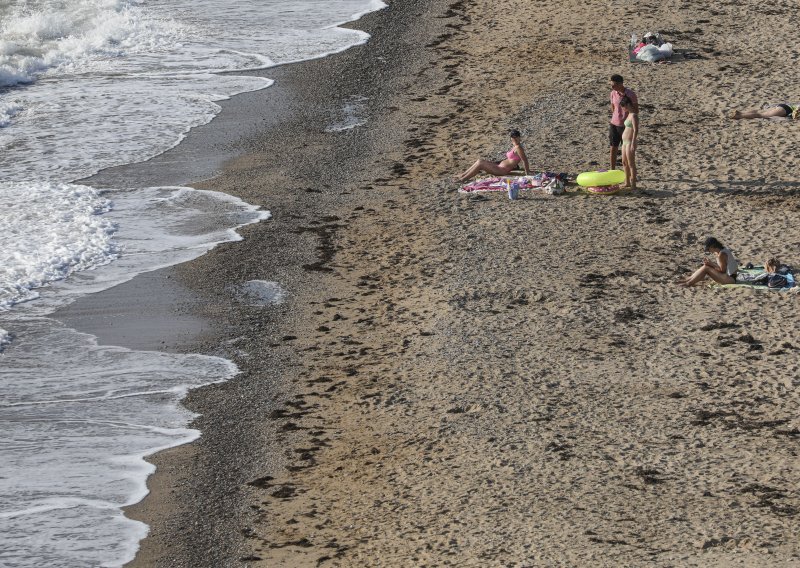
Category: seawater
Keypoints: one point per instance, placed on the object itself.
(86, 85)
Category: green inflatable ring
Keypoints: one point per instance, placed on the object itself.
(599, 179)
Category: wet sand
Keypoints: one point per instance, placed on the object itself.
(465, 380)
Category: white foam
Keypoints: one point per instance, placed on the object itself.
(7, 112)
(94, 432)
(154, 228)
(5, 339)
(50, 231)
(263, 292)
(39, 37)
(350, 115)
(108, 82)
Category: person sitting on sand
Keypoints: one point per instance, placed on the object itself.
(629, 136)
(782, 110)
(513, 157)
(723, 272)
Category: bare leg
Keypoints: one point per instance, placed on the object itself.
(483, 166)
(767, 113)
(614, 150)
(631, 159)
(721, 277)
(707, 271)
(698, 276)
(626, 166)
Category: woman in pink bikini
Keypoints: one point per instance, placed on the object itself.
(513, 157)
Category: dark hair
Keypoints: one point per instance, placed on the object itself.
(711, 242)
(514, 133)
(625, 101)
(617, 79)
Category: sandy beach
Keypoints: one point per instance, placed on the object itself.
(466, 380)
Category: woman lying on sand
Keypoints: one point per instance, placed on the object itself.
(513, 157)
(723, 272)
(778, 111)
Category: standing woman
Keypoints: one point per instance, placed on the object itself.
(513, 157)
(629, 136)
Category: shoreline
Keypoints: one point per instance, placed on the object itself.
(177, 321)
(468, 380)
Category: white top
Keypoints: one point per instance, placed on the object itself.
(733, 264)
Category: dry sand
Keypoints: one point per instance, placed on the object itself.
(469, 381)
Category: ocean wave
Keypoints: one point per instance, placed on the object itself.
(7, 112)
(50, 37)
(50, 231)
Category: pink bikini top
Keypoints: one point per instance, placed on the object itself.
(512, 155)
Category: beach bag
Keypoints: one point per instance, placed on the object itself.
(554, 187)
(778, 281)
(650, 53)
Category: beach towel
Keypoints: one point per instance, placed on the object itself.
(534, 182)
(757, 278)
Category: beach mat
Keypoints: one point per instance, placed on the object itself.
(745, 277)
(534, 182)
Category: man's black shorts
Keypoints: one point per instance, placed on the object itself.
(615, 134)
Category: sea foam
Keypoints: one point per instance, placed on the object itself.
(86, 85)
(68, 37)
(50, 231)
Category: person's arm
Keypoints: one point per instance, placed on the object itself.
(521, 153)
(635, 123)
(710, 263)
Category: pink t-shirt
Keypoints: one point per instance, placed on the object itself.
(618, 115)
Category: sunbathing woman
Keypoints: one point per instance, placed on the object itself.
(723, 272)
(778, 111)
(513, 157)
(629, 136)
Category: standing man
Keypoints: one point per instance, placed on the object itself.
(618, 115)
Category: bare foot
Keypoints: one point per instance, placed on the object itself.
(735, 114)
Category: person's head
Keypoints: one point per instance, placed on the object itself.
(772, 265)
(626, 103)
(515, 134)
(617, 83)
(712, 245)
